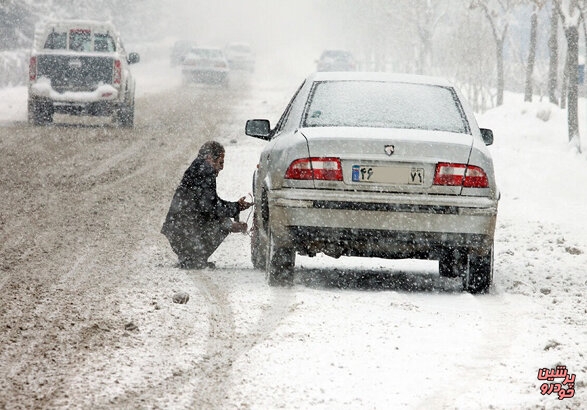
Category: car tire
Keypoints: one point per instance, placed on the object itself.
(125, 115)
(453, 263)
(40, 113)
(480, 273)
(280, 263)
(225, 82)
(258, 246)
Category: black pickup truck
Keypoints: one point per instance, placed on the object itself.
(80, 67)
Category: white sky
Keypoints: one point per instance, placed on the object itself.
(291, 26)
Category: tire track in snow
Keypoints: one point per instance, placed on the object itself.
(225, 344)
(211, 373)
(52, 284)
(50, 303)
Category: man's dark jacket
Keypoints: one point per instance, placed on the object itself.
(196, 206)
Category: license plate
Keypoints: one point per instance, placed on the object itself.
(388, 175)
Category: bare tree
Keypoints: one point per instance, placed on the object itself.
(536, 7)
(425, 16)
(499, 14)
(462, 62)
(553, 55)
(380, 38)
(571, 12)
(374, 40)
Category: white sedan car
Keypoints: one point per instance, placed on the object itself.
(375, 165)
(205, 65)
(240, 56)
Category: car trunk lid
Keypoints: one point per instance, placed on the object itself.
(388, 160)
(75, 72)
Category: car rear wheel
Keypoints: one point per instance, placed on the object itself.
(480, 273)
(280, 263)
(258, 246)
(186, 78)
(125, 115)
(453, 263)
(224, 81)
(40, 113)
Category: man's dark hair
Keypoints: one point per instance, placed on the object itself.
(212, 149)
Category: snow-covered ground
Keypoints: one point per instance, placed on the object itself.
(385, 354)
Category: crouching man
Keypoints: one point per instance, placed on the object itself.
(198, 220)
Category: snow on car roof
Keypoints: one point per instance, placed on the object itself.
(376, 76)
(100, 26)
(336, 52)
(209, 47)
(236, 44)
(206, 52)
(65, 25)
(77, 23)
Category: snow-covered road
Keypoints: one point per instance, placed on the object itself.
(87, 280)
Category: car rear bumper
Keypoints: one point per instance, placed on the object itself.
(422, 221)
(205, 74)
(97, 108)
(103, 93)
(241, 64)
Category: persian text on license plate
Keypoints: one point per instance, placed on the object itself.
(388, 175)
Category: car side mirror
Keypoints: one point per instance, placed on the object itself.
(487, 136)
(133, 58)
(258, 129)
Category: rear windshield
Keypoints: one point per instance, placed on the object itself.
(56, 41)
(208, 53)
(80, 40)
(384, 105)
(104, 42)
(336, 55)
(239, 48)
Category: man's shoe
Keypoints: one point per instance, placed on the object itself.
(191, 264)
(185, 264)
(196, 264)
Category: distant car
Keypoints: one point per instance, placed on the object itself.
(240, 56)
(205, 65)
(336, 60)
(80, 67)
(375, 165)
(179, 50)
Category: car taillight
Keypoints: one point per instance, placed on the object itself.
(117, 75)
(468, 176)
(33, 68)
(325, 169)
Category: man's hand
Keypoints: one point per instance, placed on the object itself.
(239, 227)
(243, 204)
